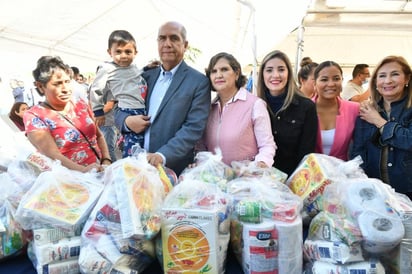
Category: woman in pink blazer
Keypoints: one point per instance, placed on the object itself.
(336, 117)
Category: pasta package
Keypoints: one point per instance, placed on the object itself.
(310, 178)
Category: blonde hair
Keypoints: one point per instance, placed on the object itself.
(291, 86)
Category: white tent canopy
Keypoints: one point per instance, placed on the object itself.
(346, 31)
(77, 30)
(352, 32)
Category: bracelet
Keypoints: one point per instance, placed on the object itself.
(106, 159)
(382, 125)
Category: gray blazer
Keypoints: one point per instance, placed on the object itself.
(181, 117)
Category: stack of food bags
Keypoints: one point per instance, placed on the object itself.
(118, 236)
(266, 226)
(195, 228)
(16, 180)
(314, 173)
(59, 199)
(357, 225)
(55, 250)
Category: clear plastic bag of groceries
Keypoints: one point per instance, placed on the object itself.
(59, 197)
(209, 168)
(277, 203)
(251, 169)
(140, 193)
(13, 238)
(195, 228)
(104, 247)
(367, 202)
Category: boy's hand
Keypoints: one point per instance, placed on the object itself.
(154, 63)
(108, 106)
(99, 121)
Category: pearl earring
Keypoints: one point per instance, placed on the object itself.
(406, 85)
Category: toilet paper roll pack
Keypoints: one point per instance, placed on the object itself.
(261, 247)
(290, 238)
(381, 232)
(272, 247)
(365, 194)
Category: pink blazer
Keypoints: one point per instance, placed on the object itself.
(345, 124)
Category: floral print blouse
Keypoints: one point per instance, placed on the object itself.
(69, 139)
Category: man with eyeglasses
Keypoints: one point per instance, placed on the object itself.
(353, 90)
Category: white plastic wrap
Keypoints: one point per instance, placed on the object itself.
(251, 169)
(266, 226)
(381, 232)
(313, 174)
(332, 252)
(140, 193)
(209, 168)
(12, 237)
(106, 247)
(271, 200)
(334, 228)
(195, 228)
(60, 197)
(367, 202)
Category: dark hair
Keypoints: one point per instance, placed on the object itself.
(18, 121)
(326, 64)
(305, 71)
(121, 37)
(291, 86)
(46, 67)
(234, 64)
(375, 96)
(75, 70)
(305, 60)
(358, 69)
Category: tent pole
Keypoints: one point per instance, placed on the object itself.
(254, 48)
(301, 31)
(254, 43)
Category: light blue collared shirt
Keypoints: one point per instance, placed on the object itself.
(159, 91)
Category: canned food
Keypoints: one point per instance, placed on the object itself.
(249, 211)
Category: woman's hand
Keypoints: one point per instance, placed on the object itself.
(261, 164)
(369, 113)
(97, 167)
